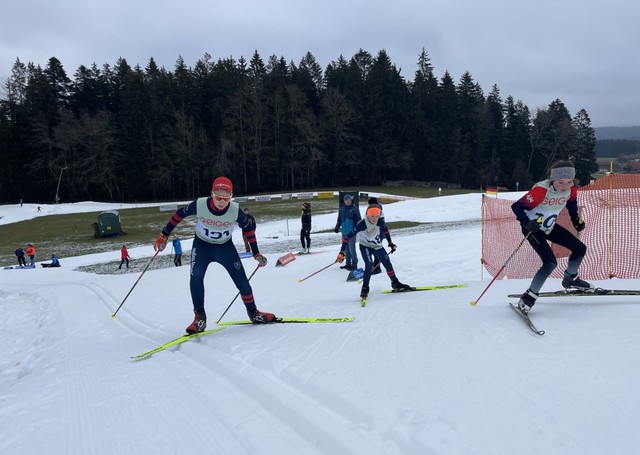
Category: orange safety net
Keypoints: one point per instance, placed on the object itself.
(610, 208)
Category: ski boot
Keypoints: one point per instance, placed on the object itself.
(527, 301)
(258, 317)
(399, 287)
(573, 281)
(364, 292)
(199, 323)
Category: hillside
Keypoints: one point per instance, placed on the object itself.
(618, 133)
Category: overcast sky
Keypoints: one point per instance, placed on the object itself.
(585, 53)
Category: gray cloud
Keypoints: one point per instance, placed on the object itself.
(581, 52)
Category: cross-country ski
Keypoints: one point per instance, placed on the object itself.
(425, 288)
(526, 319)
(292, 321)
(176, 342)
(583, 293)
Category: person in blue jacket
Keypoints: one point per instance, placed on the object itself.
(54, 262)
(177, 249)
(348, 216)
(216, 218)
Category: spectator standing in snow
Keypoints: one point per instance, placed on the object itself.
(305, 232)
(177, 249)
(124, 256)
(31, 253)
(348, 216)
(20, 255)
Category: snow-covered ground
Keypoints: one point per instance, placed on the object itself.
(417, 373)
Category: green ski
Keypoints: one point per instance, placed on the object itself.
(175, 342)
(291, 321)
(426, 288)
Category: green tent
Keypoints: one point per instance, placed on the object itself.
(109, 224)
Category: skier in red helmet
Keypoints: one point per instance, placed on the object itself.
(216, 218)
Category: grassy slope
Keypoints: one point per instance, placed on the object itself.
(72, 234)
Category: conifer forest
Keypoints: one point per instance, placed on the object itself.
(130, 133)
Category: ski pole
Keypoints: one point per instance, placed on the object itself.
(315, 273)
(134, 285)
(234, 299)
(473, 302)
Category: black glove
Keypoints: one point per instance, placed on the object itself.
(578, 223)
(336, 229)
(532, 226)
(393, 247)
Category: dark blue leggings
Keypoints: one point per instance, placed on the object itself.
(203, 254)
(381, 255)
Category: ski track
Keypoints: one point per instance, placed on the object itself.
(29, 351)
(310, 429)
(309, 426)
(245, 395)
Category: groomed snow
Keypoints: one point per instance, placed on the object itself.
(418, 373)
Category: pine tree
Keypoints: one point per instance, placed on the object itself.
(552, 138)
(585, 147)
(423, 121)
(517, 143)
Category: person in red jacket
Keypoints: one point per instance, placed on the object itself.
(31, 253)
(124, 256)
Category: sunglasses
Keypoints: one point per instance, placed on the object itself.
(221, 198)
